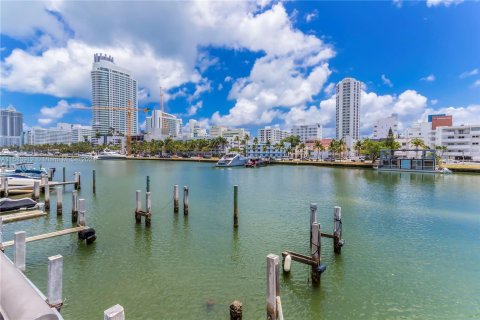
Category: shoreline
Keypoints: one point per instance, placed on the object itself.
(457, 168)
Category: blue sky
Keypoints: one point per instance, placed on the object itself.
(247, 64)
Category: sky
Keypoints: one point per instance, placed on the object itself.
(246, 64)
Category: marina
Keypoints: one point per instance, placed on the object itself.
(193, 266)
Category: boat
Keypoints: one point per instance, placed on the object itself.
(232, 160)
(110, 155)
(7, 153)
(7, 204)
(256, 162)
(398, 160)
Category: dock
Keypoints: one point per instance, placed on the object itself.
(48, 235)
(25, 215)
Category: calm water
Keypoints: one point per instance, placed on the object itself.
(412, 243)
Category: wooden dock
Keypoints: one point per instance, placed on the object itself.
(24, 215)
(48, 235)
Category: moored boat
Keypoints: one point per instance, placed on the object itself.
(232, 160)
(7, 204)
(110, 155)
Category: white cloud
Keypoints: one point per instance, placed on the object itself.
(220, 87)
(49, 115)
(429, 78)
(205, 61)
(386, 81)
(311, 16)
(228, 79)
(192, 110)
(329, 89)
(446, 3)
(476, 84)
(469, 115)
(433, 102)
(470, 73)
(398, 3)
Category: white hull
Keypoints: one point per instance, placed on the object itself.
(236, 160)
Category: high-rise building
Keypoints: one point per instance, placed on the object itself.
(11, 127)
(161, 125)
(217, 131)
(381, 127)
(36, 136)
(274, 135)
(308, 132)
(113, 86)
(347, 108)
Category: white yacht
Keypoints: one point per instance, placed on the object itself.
(232, 160)
(111, 155)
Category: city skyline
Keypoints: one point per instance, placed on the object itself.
(280, 68)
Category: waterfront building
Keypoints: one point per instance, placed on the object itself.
(441, 121)
(274, 135)
(39, 136)
(263, 150)
(381, 127)
(217, 131)
(11, 127)
(161, 125)
(347, 117)
(195, 130)
(462, 142)
(307, 132)
(81, 133)
(113, 86)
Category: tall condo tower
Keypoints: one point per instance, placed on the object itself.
(347, 108)
(112, 86)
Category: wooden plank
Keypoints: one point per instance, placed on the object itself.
(327, 235)
(48, 235)
(8, 218)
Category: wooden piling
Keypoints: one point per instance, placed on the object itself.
(279, 309)
(43, 182)
(114, 313)
(36, 190)
(316, 252)
(175, 198)
(148, 214)
(64, 176)
(272, 265)
(313, 218)
(79, 181)
(148, 183)
(1, 233)
(59, 200)
(5, 187)
(94, 187)
(81, 213)
(50, 174)
(337, 230)
(74, 206)
(235, 206)
(19, 255)
(236, 310)
(185, 200)
(138, 207)
(55, 281)
(46, 190)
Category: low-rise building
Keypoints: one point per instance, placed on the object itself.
(263, 150)
(38, 136)
(217, 131)
(461, 142)
(161, 125)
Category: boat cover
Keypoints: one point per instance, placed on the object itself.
(7, 204)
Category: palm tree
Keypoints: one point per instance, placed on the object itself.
(358, 147)
(342, 147)
(333, 147)
(317, 146)
(301, 147)
(417, 143)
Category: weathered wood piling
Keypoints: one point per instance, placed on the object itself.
(138, 207)
(148, 183)
(74, 206)
(36, 190)
(64, 175)
(94, 187)
(46, 191)
(236, 310)
(5, 187)
(185, 200)
(19, 254)
(55, 281)
(81, 213)
(148, 205)
(313, 217)
(337, 230)
(273, 286)
(175, 198)
(316, 253)
(235, 206)
(59, 200)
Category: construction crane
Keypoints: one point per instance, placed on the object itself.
(129, 110)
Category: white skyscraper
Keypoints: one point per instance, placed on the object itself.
(347, 108)
(11, 127)
(112, 86)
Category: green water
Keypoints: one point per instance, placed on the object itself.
(412, 243)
